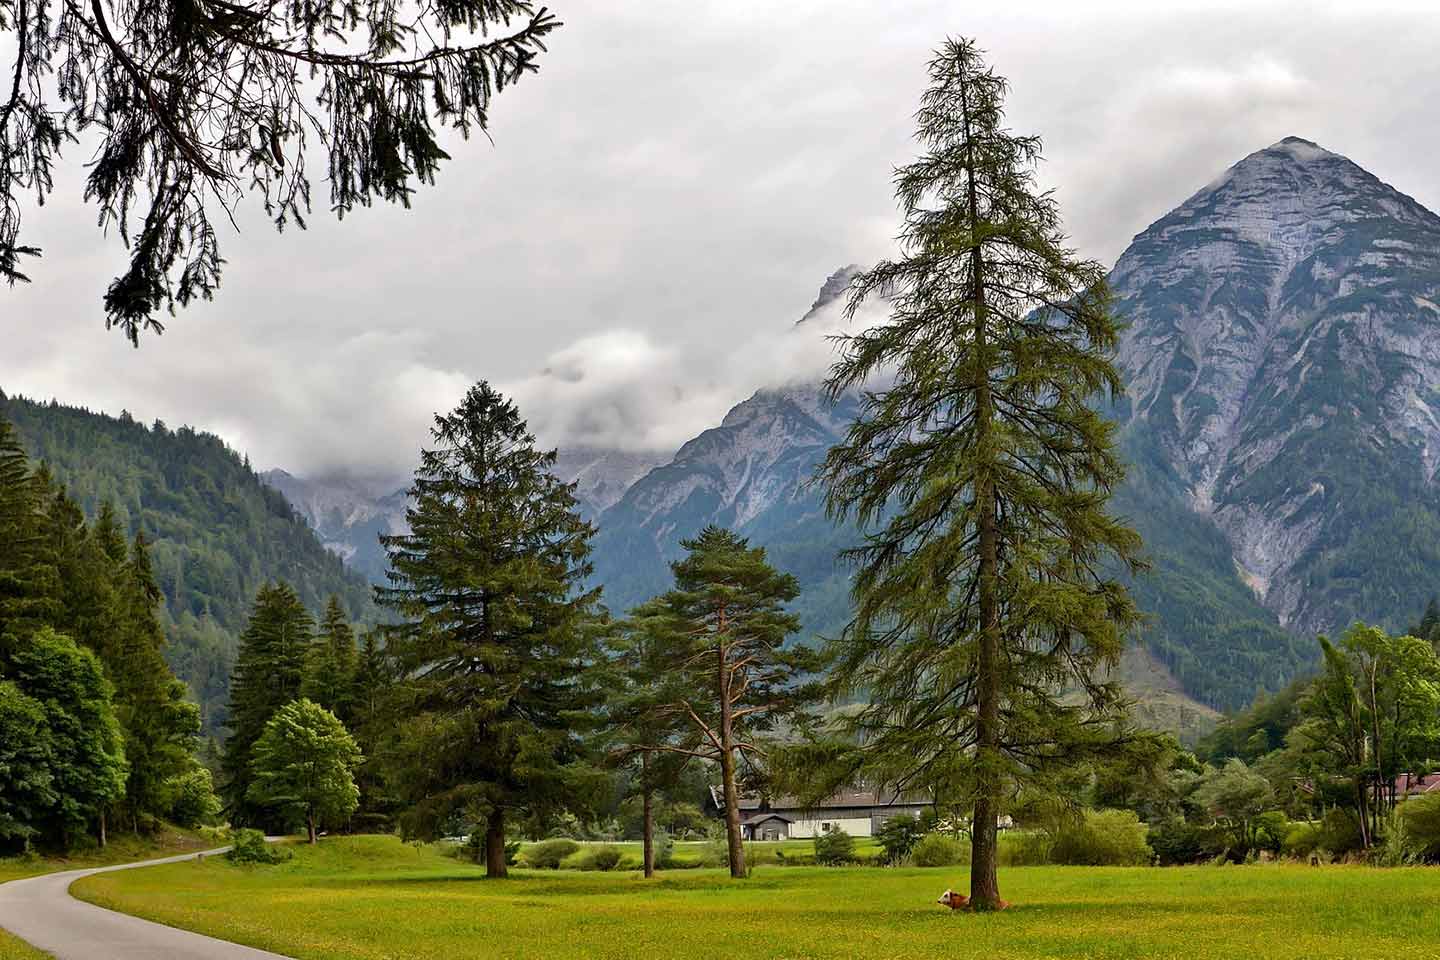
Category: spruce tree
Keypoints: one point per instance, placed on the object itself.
(494, 642)
(330, 664)
(268, 672)
(719, 640)
(980, 472)
(28, 578)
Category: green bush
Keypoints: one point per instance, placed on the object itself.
(547, 854)
(1420, 818)
(249, 846)
(1301, 840)
(1102, 838)
(1026, 848)
(834, 848)
(1177, 841)
(898, 836)
(593, 858)
(938, 850)
(1339, 833)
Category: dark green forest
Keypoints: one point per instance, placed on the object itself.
(217, 533)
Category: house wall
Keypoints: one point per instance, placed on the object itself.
(855, 826)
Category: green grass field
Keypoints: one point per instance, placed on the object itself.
(376, 898)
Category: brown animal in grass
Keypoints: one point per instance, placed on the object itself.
(958, 901)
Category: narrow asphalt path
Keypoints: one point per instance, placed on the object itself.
(41, 911)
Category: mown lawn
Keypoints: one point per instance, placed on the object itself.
(376, 898)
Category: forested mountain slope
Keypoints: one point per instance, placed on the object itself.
(217, 532)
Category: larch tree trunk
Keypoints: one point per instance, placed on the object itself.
(648, 805)
(984, 883)
(495, 866)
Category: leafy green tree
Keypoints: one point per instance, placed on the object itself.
(268, 674)
(198, 104)
(86, 755)
(1236, 797)
(27, 787)
(1372, 714)
(304, 766)
(330, 664)
(495, 645)
(719, 637)
(980, 471)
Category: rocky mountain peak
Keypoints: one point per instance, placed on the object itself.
(835, 287)
(1283, 328)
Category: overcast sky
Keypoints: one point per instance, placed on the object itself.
(664, 199)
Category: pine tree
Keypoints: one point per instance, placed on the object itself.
(493, 641)
(980, 473)
(370, 694)
(267, 675)
(719, 639)
(330, 664)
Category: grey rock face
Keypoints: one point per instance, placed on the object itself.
(1283, 332)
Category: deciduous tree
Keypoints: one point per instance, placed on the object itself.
(304, 766)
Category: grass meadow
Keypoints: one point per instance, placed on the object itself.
(372, 897)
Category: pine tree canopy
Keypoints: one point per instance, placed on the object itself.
(980, 472)
(495, 640)
(268, 674)
(717, 646)
(198, 103)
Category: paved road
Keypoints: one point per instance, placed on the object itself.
(41, 911)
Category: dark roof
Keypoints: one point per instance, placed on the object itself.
(842, 800)
(763, 816)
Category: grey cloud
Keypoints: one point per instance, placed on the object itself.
(664, 199)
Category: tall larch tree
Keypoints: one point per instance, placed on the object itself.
(494, 641)
(720, 638)
(268, 672)
(980, 470)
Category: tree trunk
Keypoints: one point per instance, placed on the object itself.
(984, 884)
(647, 799)
(495, 867)
(310, 826)
(102, 830)
(734, 841)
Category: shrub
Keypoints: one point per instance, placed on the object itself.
(1420, 818)
(1102, 838)
(1177, 841)
(547, 854)
(898, 836)
(664, 850)
(191, 796)
(1339, 832)
(1301, 840)
(1026, 848)
(938, 850)
(249, 846)
(834, 848)
(593, 858)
